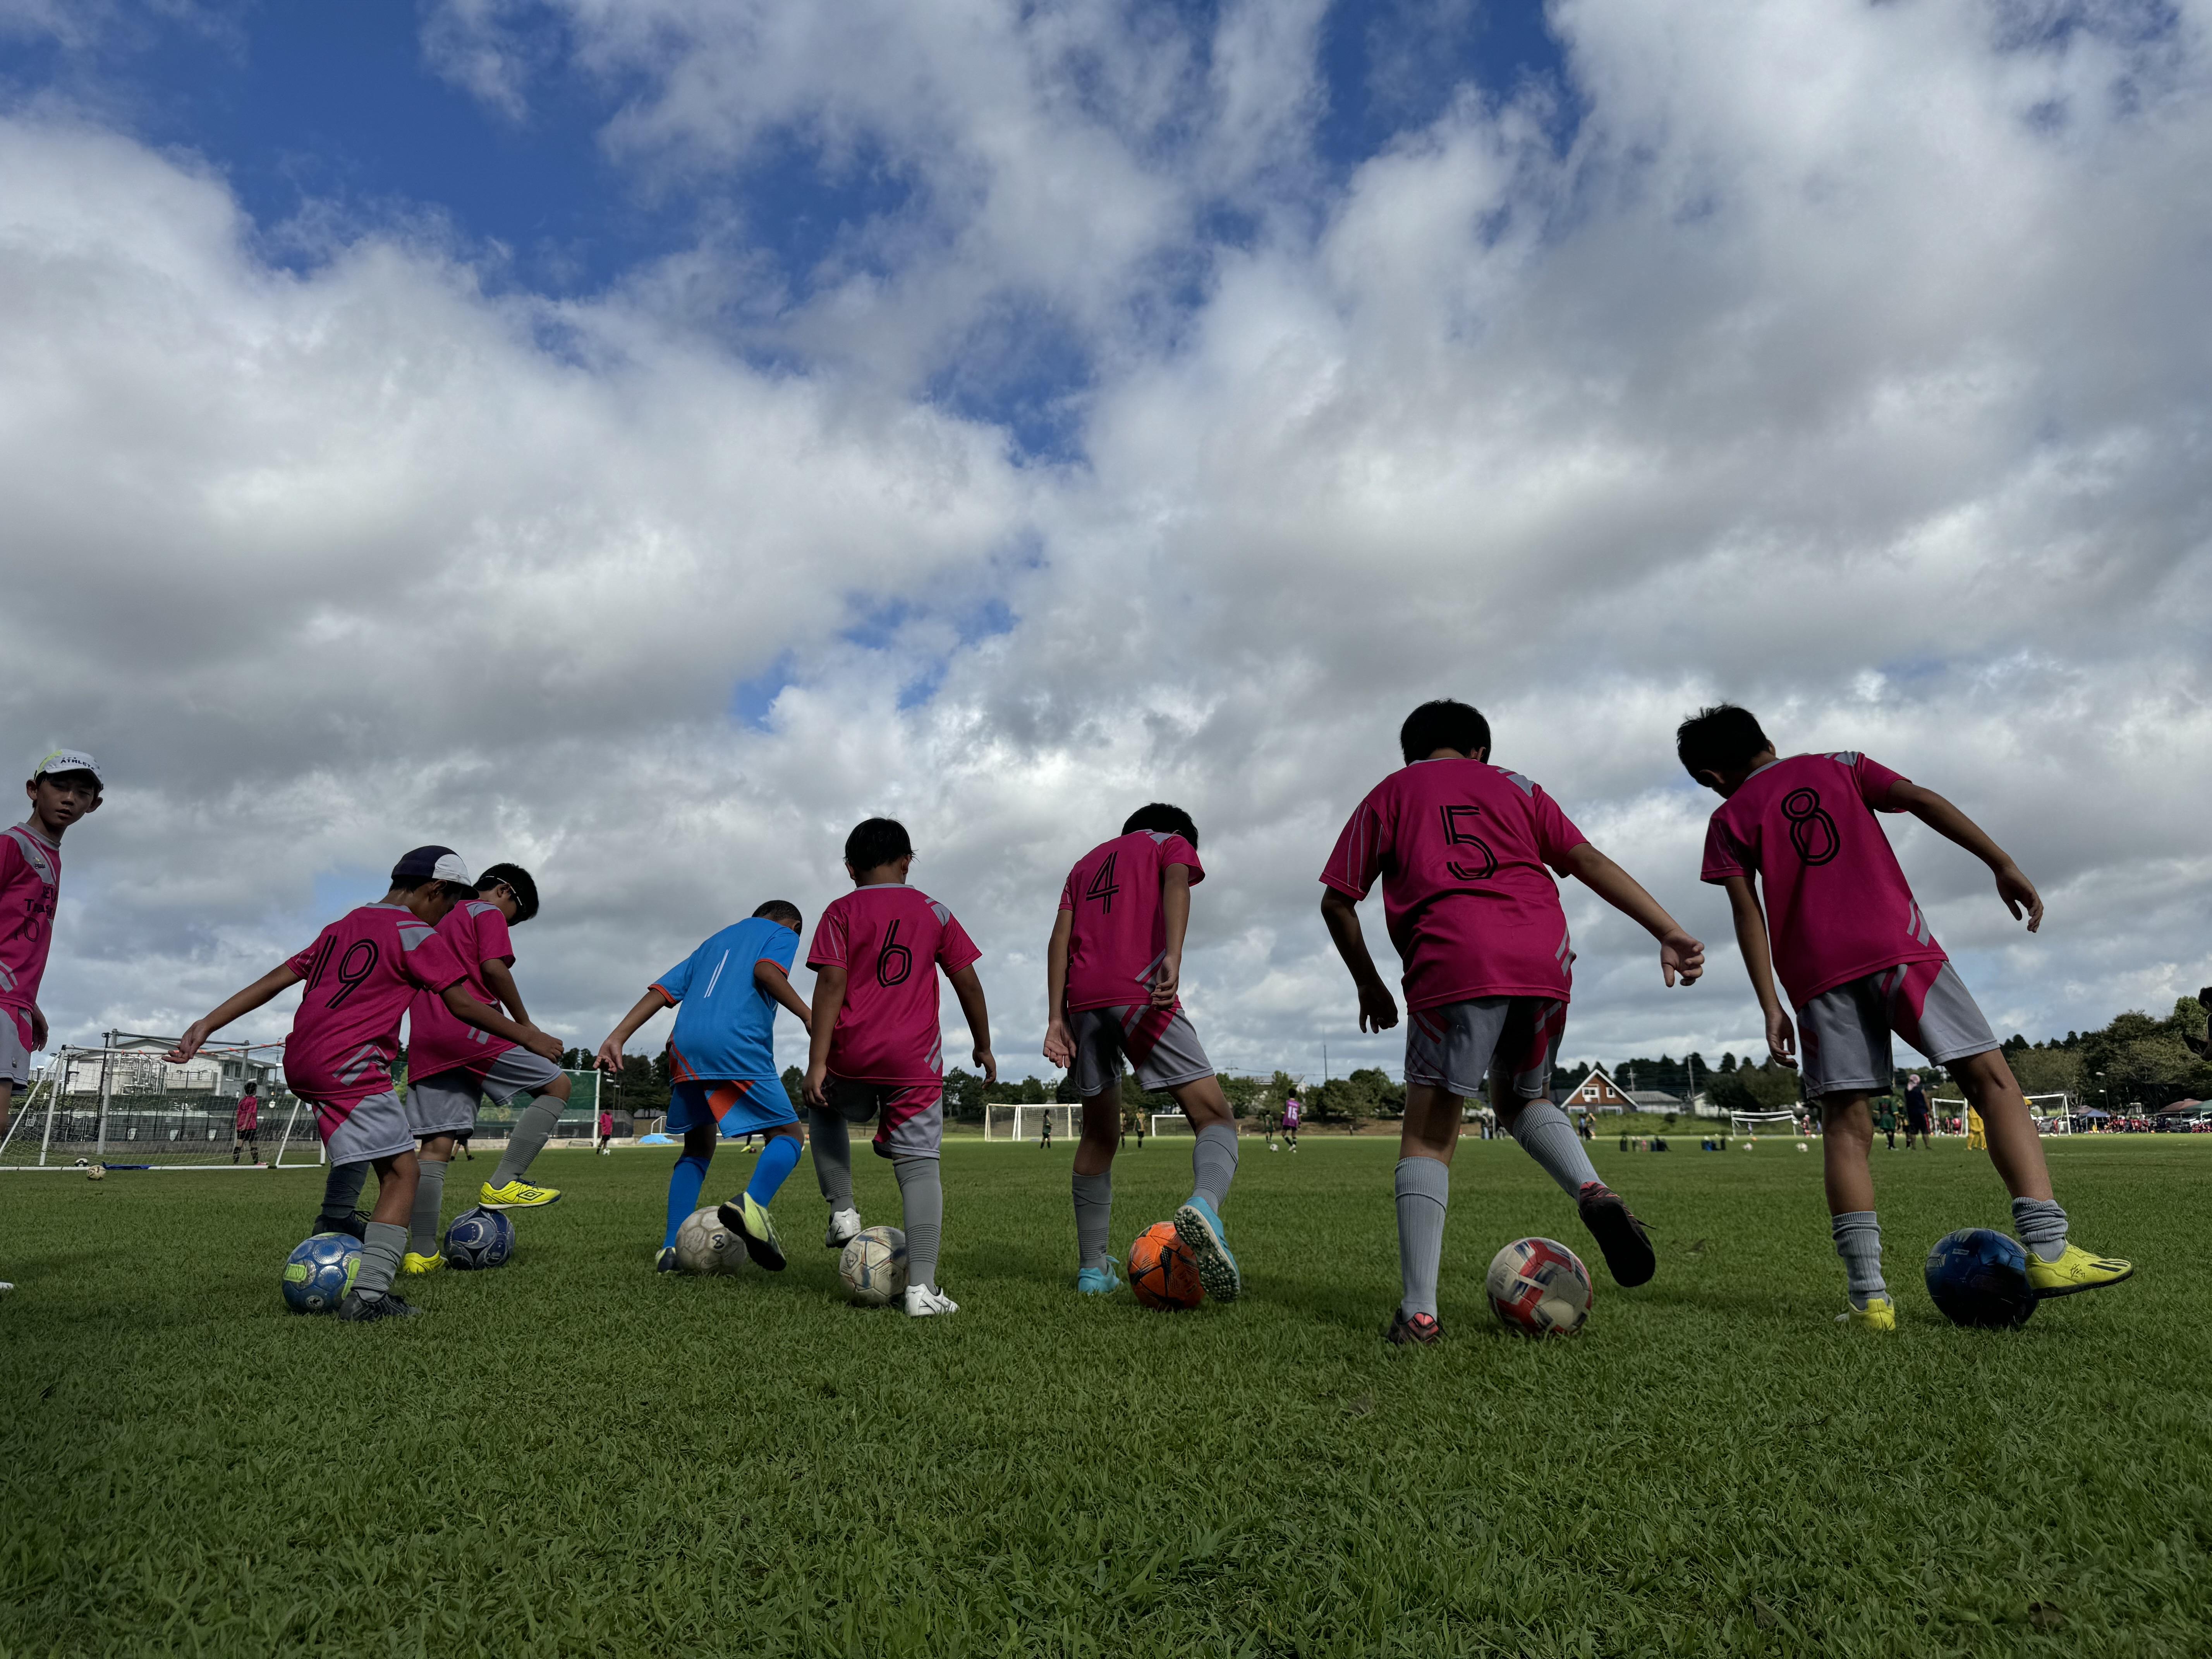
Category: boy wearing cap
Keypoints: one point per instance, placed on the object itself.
(453, 1065)
(62, 789)
(361, 974)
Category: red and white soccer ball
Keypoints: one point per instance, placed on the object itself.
(1540, 1287)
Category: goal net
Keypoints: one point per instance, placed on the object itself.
(1755, 1124)
(1171, 1123)
(2053, 1114)
(124, 1106)
(1027, 1122)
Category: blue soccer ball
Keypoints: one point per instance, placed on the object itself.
(320, 1272)
(479, 1238)
(1979, 1278)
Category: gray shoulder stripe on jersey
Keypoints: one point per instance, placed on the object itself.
(941, 914)
(33, 853)
(1845, 757)
(1526, 785)
(1159, 837)
(409, 937)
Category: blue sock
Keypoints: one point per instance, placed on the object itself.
(777, 1159)
(684, 1181)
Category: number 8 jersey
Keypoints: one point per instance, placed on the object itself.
(360, 974)
(1837, 905)
(1462, 848)
(890, 940)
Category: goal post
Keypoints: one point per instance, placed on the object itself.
(123, 1105)
(2053, 1114)
(1171, 1123)
(1027, 1122)
(1751, 1125)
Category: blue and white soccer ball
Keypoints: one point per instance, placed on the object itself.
(479, 1238)
(873, 1267)
(1979, 1277)
(318, 1274)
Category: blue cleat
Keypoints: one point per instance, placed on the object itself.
(1200, 1228)
(1097, 1281)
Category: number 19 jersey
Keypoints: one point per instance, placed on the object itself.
(361, 973)
(890, 940)
(1461, 848)
(1118, 932)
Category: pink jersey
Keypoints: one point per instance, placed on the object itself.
(30, 884)
(476, 930)
(890, 940)
(361, 973)
(249, 1113)
(1118, 936)
(1838, 906)
(1462, 848)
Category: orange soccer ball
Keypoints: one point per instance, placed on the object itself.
(1161, 1270)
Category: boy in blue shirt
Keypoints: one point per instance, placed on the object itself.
(721, 1061)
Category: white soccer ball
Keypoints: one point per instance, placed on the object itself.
(1802, 1147)
(1540, 1287)
(97, 1172)
(704, 1245)
(873, 1267)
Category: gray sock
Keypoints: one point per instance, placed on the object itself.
(2041, 1225)
(1094, 1219)
(1545, 1135)
(1424, 1190)
(380, 1257)
(1858, 1241)
(341, 1189)
(533, 1126)
(921, 1191)
(429, 1198)
(832, 1145)
(1213, 1163)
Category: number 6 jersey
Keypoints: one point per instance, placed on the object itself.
(890, 940)
(1461, 847)
(1838, 906)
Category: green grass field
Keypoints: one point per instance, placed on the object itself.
(573, 1456)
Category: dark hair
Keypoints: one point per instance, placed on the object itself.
(780, 910)
(517, 881)
(1443, 724)
(1720, 738)
(877, 841)
(1167, 820)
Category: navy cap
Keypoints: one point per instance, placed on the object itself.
(430, 863)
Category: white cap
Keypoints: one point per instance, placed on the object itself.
(66, 760)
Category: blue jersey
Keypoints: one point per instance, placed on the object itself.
(724, 1023)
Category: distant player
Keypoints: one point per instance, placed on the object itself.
(246, 1125)
(721, 1064)
(1044, 1134)
(62, 789)
(877, 1052)
(1859, 961)
(453, 1067)
(361, 974)
(1885, 1114)
(1916, 1109)
(1465, 852)
(606, 1132)
(1113, 980)
(1977, 1133)
(1290, 1122)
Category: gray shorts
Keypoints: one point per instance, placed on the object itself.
(1843, 1033)
(446, 1102)
(376, 1128)
(14, 1047)
(910, 1117)
(1162, 1049)
(1455, 1047)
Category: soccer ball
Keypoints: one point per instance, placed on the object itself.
(873, 1267)
(320, 1272)
(1539, 1287)
(1162, 1272)
(1979, 1278)
(479, 1238)
(704, 1245)
(97, 1172)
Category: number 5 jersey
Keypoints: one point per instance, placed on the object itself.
(1838, 906)
(890, 940)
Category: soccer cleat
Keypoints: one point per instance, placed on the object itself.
(517, 1194)
(1097, 1281)
(844, 1228)
(359, 1309)
(1628, 1254)
(1200, 1228)
(2073, 1272)
(665, 1261)
(1421, 1331)
(353, 1224)
(412, 1263)
(922, 1302)
(1880, 1313)
(749, 1222)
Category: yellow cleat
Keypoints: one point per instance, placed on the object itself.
(412, 1263)
(517, 1195)
(1880, 1313)
(2073, 1272)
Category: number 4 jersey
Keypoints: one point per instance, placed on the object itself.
(1838, 907)
(890, 940)
(1119, 933)
(360, 974)
(1462, 848)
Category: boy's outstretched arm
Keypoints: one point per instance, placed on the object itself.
(829, 998)
(777, 983)
(499, 979)
(1059, 1044)
(610, 1055)
(2017, 891)
(969, 990)
(1679, 953)
(1378, 1008)
(1759, 962)
(243, 1002)
(1175, 912)
(467, 1009)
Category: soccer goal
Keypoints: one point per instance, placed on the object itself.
(1171, 1123)
(1027, 1122)
(1755, 1124)
(121, 1105)
(2053, 1114)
